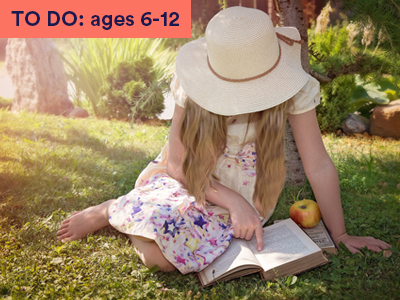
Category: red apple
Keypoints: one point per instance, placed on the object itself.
(305, 213)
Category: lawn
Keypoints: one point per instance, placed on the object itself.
(51, 166)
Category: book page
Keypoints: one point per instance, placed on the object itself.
(320, 236)
(283, 242)
(236, 255)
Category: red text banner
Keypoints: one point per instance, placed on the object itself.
(94, 19)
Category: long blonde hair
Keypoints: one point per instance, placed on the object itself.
(204, 135)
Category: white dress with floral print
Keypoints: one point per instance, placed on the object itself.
(189, 235)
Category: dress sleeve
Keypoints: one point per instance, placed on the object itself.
(306, 99)
(177, 92)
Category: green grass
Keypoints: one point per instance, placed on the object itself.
(52, 166)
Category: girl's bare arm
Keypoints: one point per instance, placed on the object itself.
(324, 181)
(244, 218)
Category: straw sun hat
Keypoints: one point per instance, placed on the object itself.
(244, 64)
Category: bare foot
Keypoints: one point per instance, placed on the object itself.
(81, 223)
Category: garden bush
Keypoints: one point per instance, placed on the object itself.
(131, 89)
(89, 61)
(330, 51)
(335, 102)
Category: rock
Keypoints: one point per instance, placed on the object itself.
(78, 112)
(385, 120)
(355, 124)
(38, 76)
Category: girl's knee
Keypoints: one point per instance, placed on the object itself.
(151, 255)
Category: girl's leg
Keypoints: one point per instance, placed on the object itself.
(150, 253)
(81, 223)
(91, 219)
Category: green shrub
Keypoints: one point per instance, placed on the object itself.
(89, 61)
(5, 103)
(332, 55)
(131, 89)
(335, 103)
(329, 50)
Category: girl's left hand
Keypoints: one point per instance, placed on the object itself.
(354, 243)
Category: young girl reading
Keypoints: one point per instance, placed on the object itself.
(222, 171)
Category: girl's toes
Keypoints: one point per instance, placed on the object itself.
(74, 213)
(63, 236)
(64, 225)
(62, 231)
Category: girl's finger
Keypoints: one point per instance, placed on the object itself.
(249, 235)
(259, 238)
(236, 232)
(352, 249)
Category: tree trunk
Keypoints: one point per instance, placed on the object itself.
(38, 76)
(290, 13)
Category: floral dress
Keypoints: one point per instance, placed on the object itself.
(191, 236)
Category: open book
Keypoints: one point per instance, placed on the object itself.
(287, 251)
(320, 235)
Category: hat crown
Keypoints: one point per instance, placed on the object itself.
(241, 43)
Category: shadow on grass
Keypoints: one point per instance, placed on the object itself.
(69, 172)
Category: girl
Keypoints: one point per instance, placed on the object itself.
(222, 171)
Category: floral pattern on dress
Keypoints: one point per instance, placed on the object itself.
(246, 158)
(188, 235)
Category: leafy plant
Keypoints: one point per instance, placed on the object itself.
(335, 102)
(131, 88)
(90, 61)
(357, 83)
(367, 95)
(330, 50)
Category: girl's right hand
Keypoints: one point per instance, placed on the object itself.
(245, 221)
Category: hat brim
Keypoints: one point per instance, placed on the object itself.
(232, 98)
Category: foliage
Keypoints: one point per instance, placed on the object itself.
(52, 166)
(132, 88)
(369, 94)
(5, 103)
(329, 49)
(382, 15)
(333, 55)
(335, 103)
(90, 61)
(336, 51)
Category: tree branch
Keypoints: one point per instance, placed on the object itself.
(394, 3)
(321, 78)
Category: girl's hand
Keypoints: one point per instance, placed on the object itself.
(354, 243)
(246, 222)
